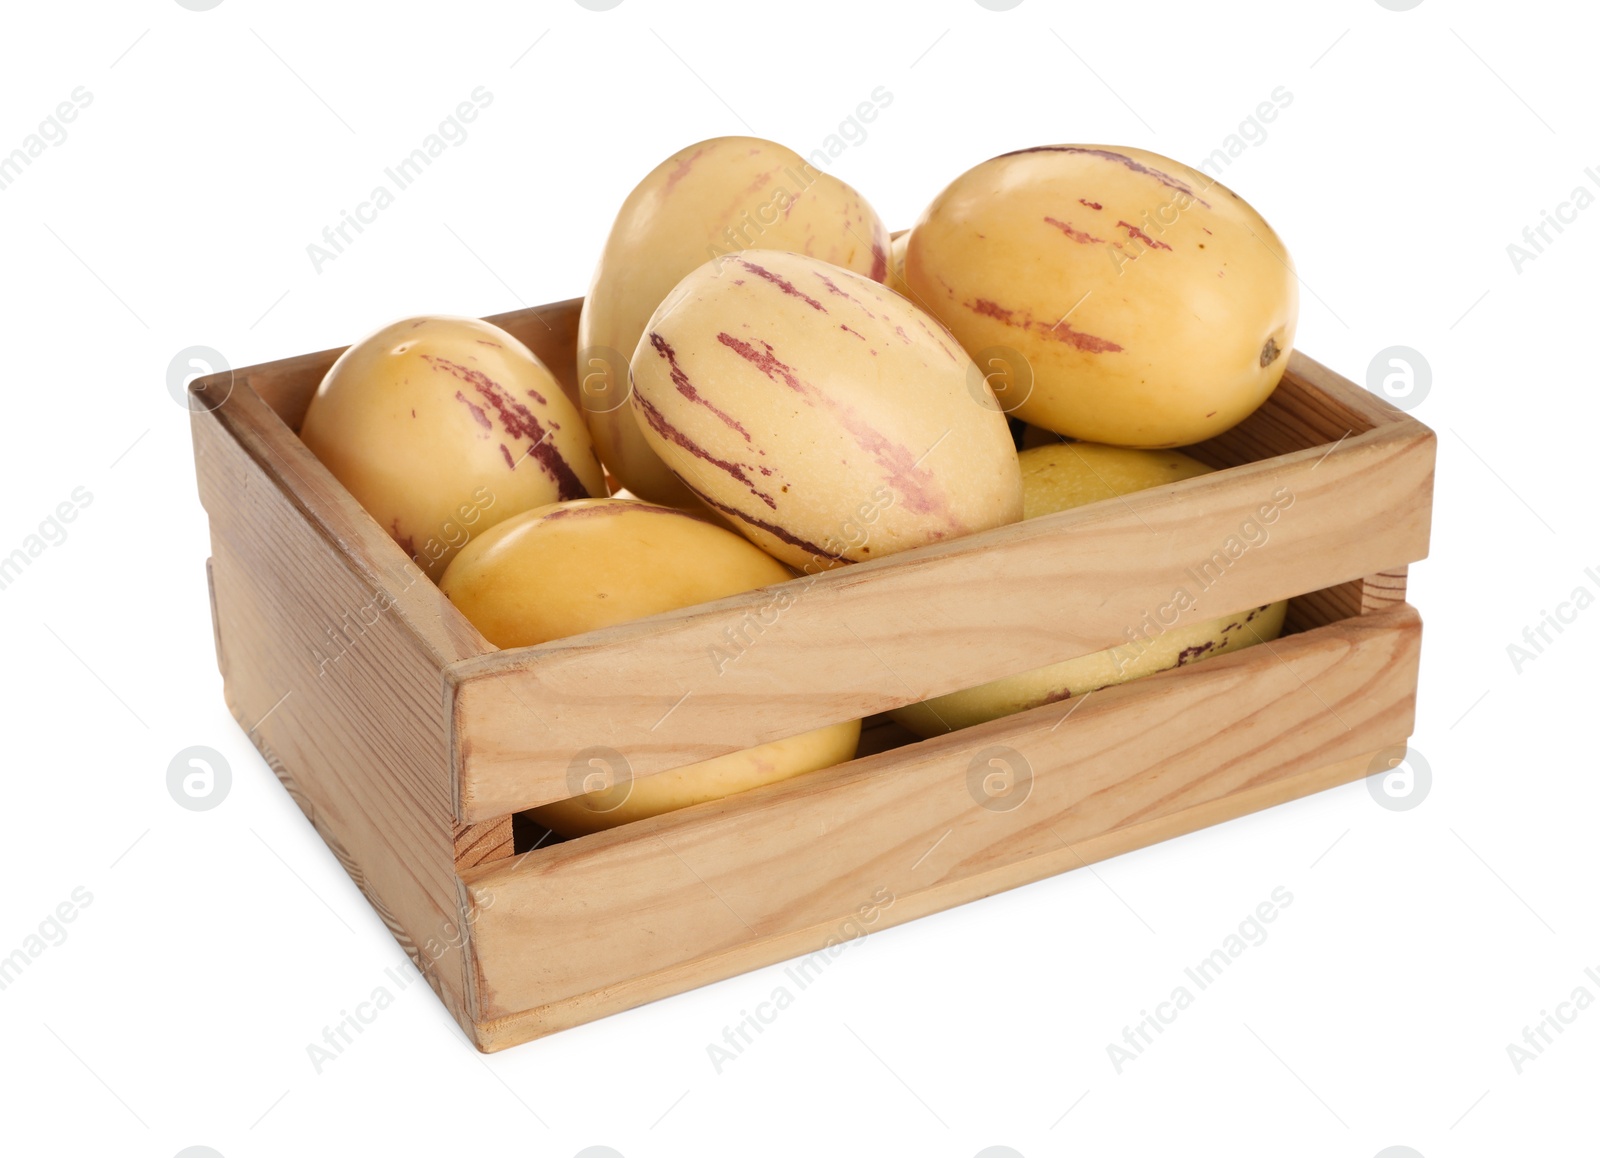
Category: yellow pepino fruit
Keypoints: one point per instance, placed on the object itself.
(573, 567)
(897, 265)
(1062, 475)
(824, 416)
(710, 199)
(696, 783)
(442, 427)
(1154, 306)
(1056, 478)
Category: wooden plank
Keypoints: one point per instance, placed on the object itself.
(1361, 596)
(477, 844)
(351, 718)
(609, 920)
(216, 628)
(1379, 592)
(527, 1025)
(683, 687)
(1341, 402)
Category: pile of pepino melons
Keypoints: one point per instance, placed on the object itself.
(767, 385)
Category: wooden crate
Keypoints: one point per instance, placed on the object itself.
(410, 742)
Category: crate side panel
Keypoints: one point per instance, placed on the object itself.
(1342, 400)
(347, 701)
(517, 1028)
(695, 684)
(288, 384)
(685, 888)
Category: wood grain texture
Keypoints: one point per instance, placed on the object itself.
(477, 844)
(881, 733)
(873, 636)
(1357, 597)
(514, 1029)
(592, 921)
(347, 704)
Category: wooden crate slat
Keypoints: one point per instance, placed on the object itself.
(527, 1025)
(571, 924)
(877, 635)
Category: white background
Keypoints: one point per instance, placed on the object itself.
(217, 946)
